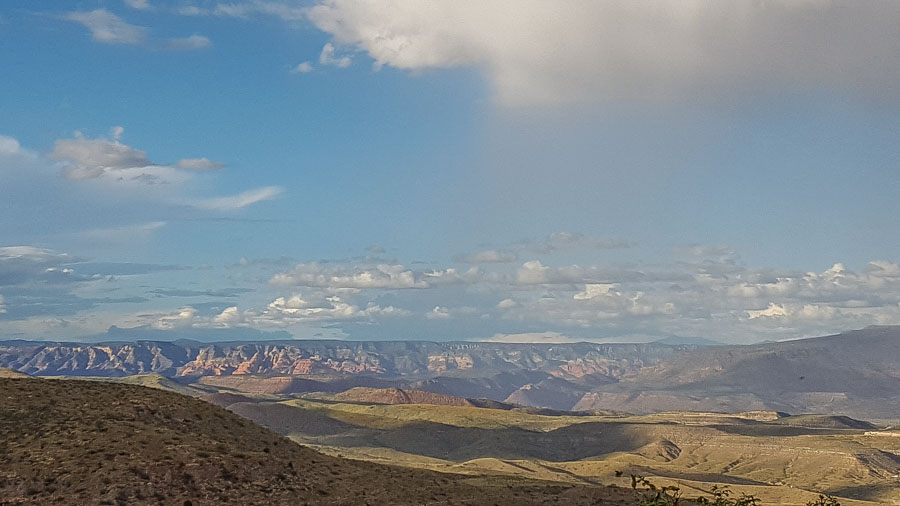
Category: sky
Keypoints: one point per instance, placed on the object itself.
(520, 171)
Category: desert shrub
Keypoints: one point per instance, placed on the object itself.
(824, 500)
(719, 496)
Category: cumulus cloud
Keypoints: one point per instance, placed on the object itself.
(302, 68)
(9, 146)
(111, 160)
(328, 56)
(228, 317)
(285, 311)
(108, 28)
(382, 276)
(594, 290)
(507, 304)
(240, 200)
(180, 319)
(536, 52)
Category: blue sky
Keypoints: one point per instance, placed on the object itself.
(449, 170)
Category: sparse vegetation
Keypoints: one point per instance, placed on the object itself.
(718, 495)
(53, 451)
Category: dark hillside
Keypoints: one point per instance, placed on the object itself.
(78, 442)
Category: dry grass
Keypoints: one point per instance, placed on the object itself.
(782, 460)
(78, 442)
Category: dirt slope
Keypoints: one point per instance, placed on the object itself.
(77, 442)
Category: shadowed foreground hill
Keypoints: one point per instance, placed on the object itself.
(77, 442)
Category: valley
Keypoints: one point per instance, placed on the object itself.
(783, 422)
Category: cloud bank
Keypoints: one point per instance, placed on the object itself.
(537, 52)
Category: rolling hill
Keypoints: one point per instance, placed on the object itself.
(86, 442)
(778, 458)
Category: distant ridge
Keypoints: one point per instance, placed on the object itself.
(850, 374)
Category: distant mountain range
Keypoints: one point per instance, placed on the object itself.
(855, 373)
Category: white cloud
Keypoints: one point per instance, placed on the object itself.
(228, 317)
(2, 304)
(883, 269)
(119, 166)
(201, 164)
(446, 313)
(327, 57)
(111, 160)
(9, 146)
(33, 254)
(451, 276)
(287, 311)
(240, 200)
(189, 43)
(507, 304)
(816, 312)
(183, 318)
(382, 276)
(594, 290)
(302, 68)
(108, 28)
(534, 51)
(138, 4)
(438, 313)
(26, 265)
(772, 311)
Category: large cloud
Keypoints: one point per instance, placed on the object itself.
(535, 51)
